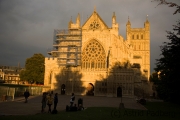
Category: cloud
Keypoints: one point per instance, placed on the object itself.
(27, 25)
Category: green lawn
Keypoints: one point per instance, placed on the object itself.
(156, 111)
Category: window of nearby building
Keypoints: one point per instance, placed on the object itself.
(137, 36)
(141, 36)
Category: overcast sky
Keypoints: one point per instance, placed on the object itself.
(26, 26)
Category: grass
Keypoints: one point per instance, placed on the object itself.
(156, 111)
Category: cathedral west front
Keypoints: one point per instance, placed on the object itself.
(93, 59)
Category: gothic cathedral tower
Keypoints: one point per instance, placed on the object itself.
(139, 38)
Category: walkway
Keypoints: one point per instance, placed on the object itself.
(18, 107)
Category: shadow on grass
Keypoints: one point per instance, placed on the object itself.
(156, 111)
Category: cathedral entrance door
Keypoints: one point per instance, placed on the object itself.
(90, 89)
(119, 92)
(63, 89)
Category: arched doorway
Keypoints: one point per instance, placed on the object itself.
(90, 89)
(63, 89)
(119, 92)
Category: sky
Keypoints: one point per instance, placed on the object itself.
(27, 26)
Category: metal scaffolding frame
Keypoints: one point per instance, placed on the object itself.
(67, 47)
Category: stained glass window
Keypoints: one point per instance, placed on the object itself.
(94, 54)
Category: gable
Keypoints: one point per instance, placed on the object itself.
(94, 22)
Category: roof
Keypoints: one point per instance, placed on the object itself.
(98, 17)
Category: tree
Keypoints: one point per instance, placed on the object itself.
(154, 77)
(34, 69)
(168, 65)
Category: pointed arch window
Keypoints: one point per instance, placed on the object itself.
(134, 47)
(93, 56)
(50, 78)
(137, 36)
(132, 36)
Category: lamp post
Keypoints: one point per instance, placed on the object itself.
(31, 86)
(121, 105)
(72, 84)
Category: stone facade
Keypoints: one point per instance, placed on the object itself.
(110, 64)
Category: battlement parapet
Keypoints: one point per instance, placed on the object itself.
(137, 29)
(50, 59)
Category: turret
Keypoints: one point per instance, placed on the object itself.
(147, 24)
(114, 18)
(78, 20)
(76, 25)
(147, 29)
(128, 25)
(128, 29)
(69, 24)
(115, 25)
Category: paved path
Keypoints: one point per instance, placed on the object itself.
(18, 107)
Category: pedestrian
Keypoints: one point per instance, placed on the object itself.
(72, 100)
(44, 100)
(55, 100)
(26, 95)
(55, 103)
(49, 102)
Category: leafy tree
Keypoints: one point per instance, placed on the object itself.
(34, 69)
(154, 77)
(168, 65)
(22, 75)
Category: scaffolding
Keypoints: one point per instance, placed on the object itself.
(67, 47)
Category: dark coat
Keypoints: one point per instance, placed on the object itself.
(26, 94)
(55, 99)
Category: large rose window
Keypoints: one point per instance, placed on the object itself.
(93, 56)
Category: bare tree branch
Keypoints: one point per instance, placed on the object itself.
(170, 4)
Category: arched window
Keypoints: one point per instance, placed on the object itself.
(137, 36)
(93, 56)
(132, 36)
(50, 78)
(141, 36)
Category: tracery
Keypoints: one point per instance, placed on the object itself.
(93, 56)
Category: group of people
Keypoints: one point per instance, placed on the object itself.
(73, 106)
(48, 99)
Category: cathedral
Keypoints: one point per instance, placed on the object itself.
(93, 59)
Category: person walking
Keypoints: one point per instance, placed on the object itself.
(26, 95)
(72, 100)
(49, 102)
